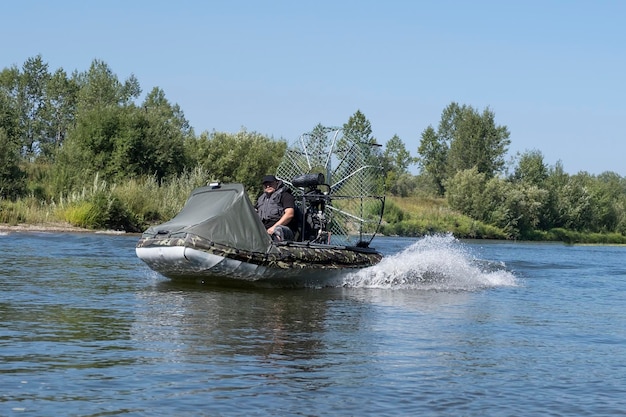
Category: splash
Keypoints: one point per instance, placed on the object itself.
(440, 263)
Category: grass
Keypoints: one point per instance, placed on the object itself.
(28, 210)
(417, 216)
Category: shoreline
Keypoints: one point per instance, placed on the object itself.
(62, 227)
(57, 227)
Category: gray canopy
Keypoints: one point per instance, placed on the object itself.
(222, 215)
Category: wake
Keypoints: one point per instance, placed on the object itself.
(438, 263)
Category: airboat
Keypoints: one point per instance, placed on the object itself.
(218, 237)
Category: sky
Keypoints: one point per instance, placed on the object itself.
(552, 71)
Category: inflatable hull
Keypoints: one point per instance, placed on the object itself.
(193, 258)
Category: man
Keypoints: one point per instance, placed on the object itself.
(276, 208)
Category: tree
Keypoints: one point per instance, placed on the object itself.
(242, 157)
(317, 143)
(607, 192)
(89, 148)
(32, 104)
(477, 142)
(26, 90)
(433, 152)
(575, 203)
(12, 178)
(120, 141)
(60, 110)
(44, 106)
(396, 157)
(100, 87)
(531, 169)
(465, 139)
(359, 128)
(9, 120)
(9, 111)
(109, 135)
(404, 186)
(516, 208)
(161, 131)
(554, 183)
(464, 192)
(396, 161)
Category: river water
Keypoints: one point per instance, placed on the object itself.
(440, 327)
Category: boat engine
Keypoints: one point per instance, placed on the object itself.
(314, 222)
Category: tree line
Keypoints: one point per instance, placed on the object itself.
(464, 161)
(59, 131)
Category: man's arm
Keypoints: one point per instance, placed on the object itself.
(284, 220)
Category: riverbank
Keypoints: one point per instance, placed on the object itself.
(53, 227)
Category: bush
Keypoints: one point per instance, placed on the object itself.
(393, 213)
(101, 211)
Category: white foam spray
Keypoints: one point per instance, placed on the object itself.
(440, 263)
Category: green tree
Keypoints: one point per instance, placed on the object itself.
(396, 157)
(477, 142)
(404, 186)
(109, 136)
(126, 141)
(433, 152)
(155, 144)
(32, 103)
(516, 208)
(8, 111)
(60, 110)
(89, 148)
(465, 139)
(556, 179)
(26, 90)
(531, 168)
(587, 203)
(359, 128)
(396, 161)
(243, 157)
(359, 132)
(12, 178)
(44, 106)
(607, 191)
(100, 87)
(317, 144)
(575, 203)
(464, 192)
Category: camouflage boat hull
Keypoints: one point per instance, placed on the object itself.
(193, 258)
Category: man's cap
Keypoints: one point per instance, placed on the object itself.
(269, 178)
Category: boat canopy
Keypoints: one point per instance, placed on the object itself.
(219, 213)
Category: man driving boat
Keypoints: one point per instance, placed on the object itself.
(276, 208)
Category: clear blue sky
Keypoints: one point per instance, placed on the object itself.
(553, 72)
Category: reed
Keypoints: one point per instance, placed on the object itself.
(27, 210)
(131, 205)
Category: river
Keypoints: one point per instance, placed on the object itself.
(440, 327)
